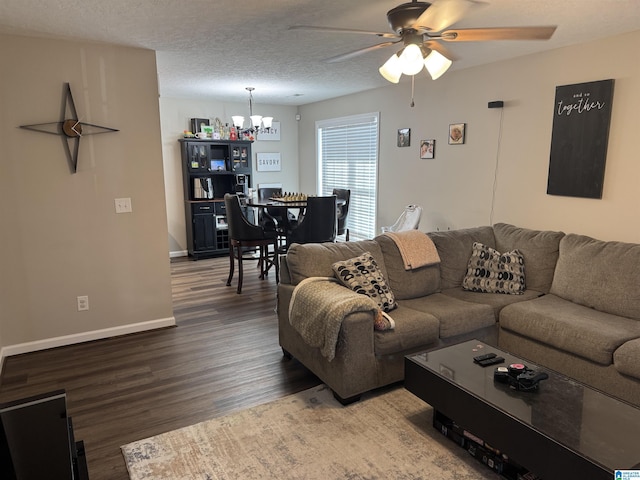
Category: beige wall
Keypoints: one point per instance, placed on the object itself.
(60, 235)
(176, 116)
(456, 188)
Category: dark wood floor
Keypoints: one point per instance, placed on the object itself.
(223, 356)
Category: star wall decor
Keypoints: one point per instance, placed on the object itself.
(70, 127)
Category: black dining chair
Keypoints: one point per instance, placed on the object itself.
(243, 234)
(343, 210)
(278, 219)
(318, 223)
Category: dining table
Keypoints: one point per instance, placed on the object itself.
(283, 204)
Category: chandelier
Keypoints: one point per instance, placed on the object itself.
(257, 121)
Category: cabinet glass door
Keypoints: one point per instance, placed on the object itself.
(241, 157)
(198, 156)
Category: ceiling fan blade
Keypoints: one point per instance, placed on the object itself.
(342, 30)
(443, 13)
(438, 47)
(506, 33)
(360, 51)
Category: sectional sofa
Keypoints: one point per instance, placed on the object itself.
(573, 305)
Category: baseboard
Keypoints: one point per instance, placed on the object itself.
(46, 343)
(180, 253)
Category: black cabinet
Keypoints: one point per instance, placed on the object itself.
(211, 168)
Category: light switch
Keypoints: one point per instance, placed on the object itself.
(123, 205)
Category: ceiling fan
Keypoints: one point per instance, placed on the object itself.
(421, 27)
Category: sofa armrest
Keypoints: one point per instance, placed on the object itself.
(353, 370)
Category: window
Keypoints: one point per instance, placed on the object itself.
(348, 158)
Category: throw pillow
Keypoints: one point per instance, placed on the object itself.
(362, 275)
(490, 271)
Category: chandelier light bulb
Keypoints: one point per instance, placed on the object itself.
(238, 121)
(256, 120)
(267, 122)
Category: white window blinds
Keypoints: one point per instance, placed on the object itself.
(348, 158)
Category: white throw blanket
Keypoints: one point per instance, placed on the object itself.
(317, 307)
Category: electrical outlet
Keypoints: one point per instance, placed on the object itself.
(83, 303)
(123, 205)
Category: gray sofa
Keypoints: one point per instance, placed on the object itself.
(579, 313)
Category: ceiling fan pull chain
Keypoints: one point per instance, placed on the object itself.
(413, 77)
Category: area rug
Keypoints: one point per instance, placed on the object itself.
(309, 435)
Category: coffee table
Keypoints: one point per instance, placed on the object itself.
(563, 430)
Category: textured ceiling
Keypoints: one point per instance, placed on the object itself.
(216, 48)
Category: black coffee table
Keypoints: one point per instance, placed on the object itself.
(564, 430)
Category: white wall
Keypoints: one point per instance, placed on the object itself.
(456, 188)
(60, 235)
(176, 117)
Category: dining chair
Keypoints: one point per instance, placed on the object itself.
(243, 234)
(343, 210)
(272, 218)
(409, 219)
(318, 223)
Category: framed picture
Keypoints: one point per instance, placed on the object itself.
(404, 137)
(268, 162)
(427, 148)
(208, 129)
(579, 140)
(456, 133)
(271, 134)
(198, 123)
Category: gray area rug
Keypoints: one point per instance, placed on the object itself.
(309, 435)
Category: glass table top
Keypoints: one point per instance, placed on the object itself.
(585, 420)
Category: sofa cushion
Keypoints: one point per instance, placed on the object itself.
(570, 327)
(413, 329)
(539, 249)
(412, 283)
(626, 358)
(490, 271)
(598, 274)
(316, 259)
(494, 300)
(362, 275)
(455, 317)
(454, 248)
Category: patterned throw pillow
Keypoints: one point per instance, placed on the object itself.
(490, 271)
(362, 275)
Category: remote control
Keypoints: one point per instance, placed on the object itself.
(491, 361)
(487, 356)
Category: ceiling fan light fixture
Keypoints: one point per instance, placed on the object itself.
(411, 60)
(391, 70)
(436, 64)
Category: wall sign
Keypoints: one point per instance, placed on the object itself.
(582, 113)
(272, 133)
(268, 162)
